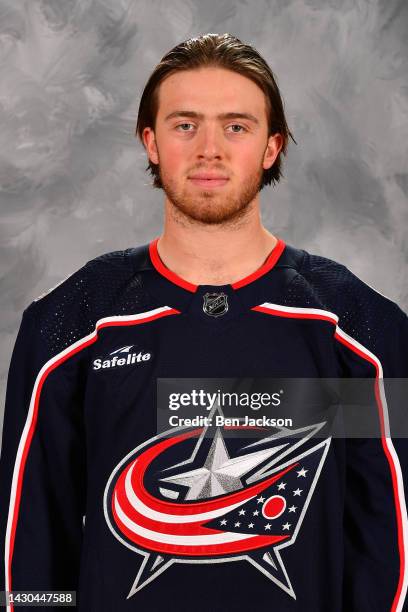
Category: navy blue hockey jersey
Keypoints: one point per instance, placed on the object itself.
(94, 499)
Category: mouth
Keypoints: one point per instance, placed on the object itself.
(208, 182)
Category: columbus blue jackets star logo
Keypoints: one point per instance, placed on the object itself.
(197, 496)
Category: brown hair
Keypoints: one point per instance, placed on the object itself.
(224, 51)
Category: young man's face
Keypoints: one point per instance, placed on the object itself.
(198, 135)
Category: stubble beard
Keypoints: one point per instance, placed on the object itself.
(211, 207)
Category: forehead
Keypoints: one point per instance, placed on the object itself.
(209, 89)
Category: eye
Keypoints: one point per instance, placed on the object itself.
(181, 125)
(236, 125)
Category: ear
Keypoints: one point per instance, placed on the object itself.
(149, 142)
(272, 150)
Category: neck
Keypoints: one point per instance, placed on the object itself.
(214, 254)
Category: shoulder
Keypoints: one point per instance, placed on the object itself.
(93, 277)
(107, 285)
(335, 284)
(363, 311)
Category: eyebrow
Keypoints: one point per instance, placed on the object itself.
(195, 115)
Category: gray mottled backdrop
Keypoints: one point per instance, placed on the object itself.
(72, 176)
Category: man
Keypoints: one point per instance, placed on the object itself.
(97, 496)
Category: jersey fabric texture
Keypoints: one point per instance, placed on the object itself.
(93, 500)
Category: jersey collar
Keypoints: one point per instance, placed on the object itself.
(270, 262)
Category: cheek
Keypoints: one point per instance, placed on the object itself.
(248, 160)
(173, 157)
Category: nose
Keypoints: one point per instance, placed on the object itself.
(209, 142)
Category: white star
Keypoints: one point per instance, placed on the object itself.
(286, 526)
(237, 524)
(268, 526)
(282, 485)
(297, 492)
(223, 522)
(250, 525)
(302, 472)
(260, 499)
(242, 511)
(256, 513)
(220, 474)
(292, 509)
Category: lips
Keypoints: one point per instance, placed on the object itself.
(209, 183)
(209, 177)
(208, 180)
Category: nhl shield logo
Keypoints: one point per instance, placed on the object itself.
(215, 304)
